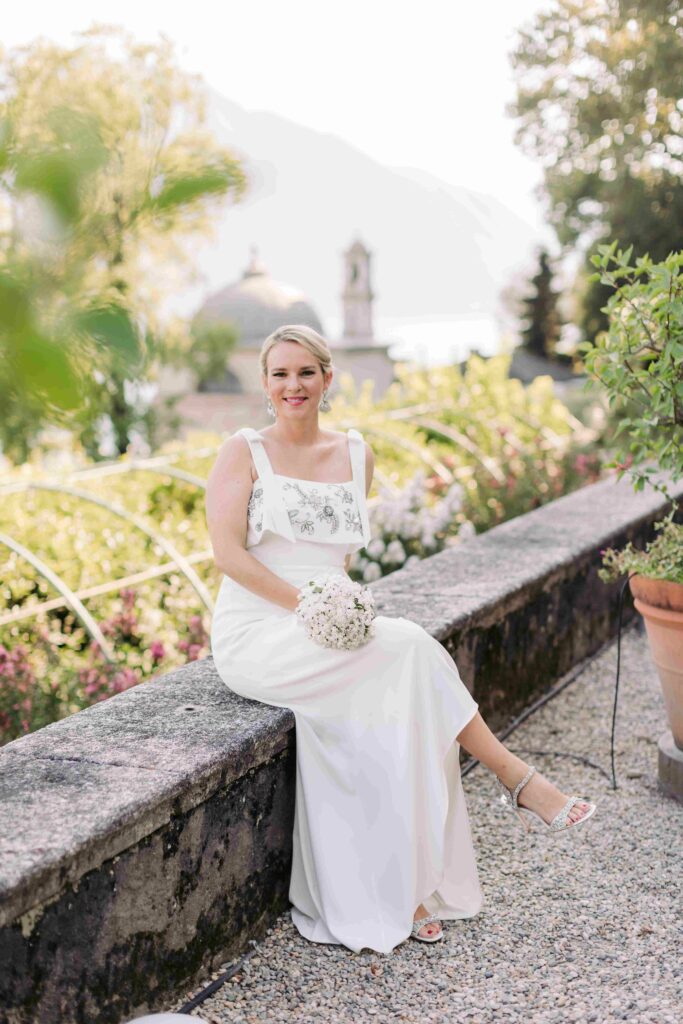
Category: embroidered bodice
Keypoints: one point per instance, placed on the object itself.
(331, 513)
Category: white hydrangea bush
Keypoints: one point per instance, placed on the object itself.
(405, 529)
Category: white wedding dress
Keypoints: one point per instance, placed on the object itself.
(380, 822)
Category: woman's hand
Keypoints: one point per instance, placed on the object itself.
(295, 599)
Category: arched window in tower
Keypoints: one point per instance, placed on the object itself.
(354, 272)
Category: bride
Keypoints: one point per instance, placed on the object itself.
(381, 843)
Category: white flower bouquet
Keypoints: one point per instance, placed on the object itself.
(336, 611)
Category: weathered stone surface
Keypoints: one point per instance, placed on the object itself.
(81, 790)
(118, 938)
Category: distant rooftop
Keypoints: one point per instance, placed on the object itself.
(257, 304)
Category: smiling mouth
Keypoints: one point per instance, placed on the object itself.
(295, 401)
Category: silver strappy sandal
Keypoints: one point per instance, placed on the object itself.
(560, 821)
(421, 923)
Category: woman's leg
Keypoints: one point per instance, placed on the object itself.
(539, 794)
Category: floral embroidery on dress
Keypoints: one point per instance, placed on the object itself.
(255, 504)
(322, 506)
(328, 515)
(334, 506)
(305, 525)
(344, 493)
(353, 520)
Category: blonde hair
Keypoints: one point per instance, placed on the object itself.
(303, 335)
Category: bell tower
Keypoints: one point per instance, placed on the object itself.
(357, 295)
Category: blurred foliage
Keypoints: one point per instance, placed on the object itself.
(599, 103)
(153, 624)
(210, 350)
(639, 361)
(105, 172)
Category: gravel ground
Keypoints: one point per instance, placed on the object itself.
(582, 926)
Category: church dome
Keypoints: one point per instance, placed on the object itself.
(257, 305)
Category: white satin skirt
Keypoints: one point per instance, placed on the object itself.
(380, 822)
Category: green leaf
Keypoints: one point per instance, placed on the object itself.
(58, 170)
(183, 190)
(5, 141)
(15, 308)
(43, 369)
(53, 176)
(112, 328)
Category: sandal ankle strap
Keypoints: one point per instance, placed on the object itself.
(520, 785)
(513, 794)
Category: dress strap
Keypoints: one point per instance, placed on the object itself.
(274, 509)
(357, 452)
(258, 453)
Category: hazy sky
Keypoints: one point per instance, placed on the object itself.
(421, 84)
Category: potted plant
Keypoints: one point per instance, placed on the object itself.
(639, 361)
(657, 588)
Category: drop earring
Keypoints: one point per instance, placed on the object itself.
(269, 407)
(324, 404)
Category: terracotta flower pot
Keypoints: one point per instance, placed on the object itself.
(660, 602)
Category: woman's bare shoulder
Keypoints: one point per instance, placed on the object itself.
(233, 459)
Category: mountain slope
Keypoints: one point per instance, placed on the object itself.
(438, 249)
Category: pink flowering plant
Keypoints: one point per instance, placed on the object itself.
(59, 670)
(29, 688)
(195, 644)
(17, 689)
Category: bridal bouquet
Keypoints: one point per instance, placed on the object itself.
(336, 611)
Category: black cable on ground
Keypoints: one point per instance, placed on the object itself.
(472, 762)
(218, 982)
(616, 687)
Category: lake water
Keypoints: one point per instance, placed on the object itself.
(435, 342)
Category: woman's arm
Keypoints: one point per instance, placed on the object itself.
(228, 490)
(369, 467)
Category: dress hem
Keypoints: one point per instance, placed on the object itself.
(444, 913)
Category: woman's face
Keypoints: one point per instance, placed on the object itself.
(293, 372)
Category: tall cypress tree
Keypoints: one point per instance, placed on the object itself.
(540, 315)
